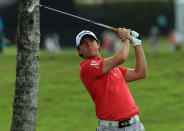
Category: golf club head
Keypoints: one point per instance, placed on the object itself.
(31, 8)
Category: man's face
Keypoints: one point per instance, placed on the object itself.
(89, 47)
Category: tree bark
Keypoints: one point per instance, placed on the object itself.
(27, 68)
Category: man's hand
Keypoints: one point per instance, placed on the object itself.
(135, 41)
(124, 33)
(134, 38)
(134, 33)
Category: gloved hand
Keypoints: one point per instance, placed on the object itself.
(134, 33)
(135, 41)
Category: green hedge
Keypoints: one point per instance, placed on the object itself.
(135, 15)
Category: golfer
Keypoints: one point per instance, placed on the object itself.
(106, 81)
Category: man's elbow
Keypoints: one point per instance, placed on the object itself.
(143, 75)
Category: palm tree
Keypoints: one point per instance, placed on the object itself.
(27, 69)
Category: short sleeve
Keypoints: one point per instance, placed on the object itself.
(123, 70)
(93, 68)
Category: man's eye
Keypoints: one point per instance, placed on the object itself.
(82, 43)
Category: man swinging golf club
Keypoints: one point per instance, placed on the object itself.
(106, 81)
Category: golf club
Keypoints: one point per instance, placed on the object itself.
(31, 8)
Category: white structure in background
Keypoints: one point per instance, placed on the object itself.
(179, 17)
(51, 43)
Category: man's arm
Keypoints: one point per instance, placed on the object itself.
(121, 55)
(140, 70)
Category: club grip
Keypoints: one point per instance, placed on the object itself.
(116, 30)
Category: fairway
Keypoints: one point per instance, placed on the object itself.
(65, 105)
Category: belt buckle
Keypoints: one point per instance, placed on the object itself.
(124, 123)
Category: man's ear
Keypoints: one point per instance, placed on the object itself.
(78, 50)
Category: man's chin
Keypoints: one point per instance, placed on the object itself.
(92, 57)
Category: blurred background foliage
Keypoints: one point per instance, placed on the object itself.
(140, 15)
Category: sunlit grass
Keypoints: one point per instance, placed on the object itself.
(65, 105)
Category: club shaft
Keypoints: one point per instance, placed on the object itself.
(90, 21)
(81, 18)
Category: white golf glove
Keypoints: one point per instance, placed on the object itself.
(135, 41)
(134, 33)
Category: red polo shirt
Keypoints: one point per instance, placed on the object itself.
(110, 93)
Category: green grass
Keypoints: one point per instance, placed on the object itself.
(65, 105)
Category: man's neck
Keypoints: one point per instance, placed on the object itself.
(93, 57)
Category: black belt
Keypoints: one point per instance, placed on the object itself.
(124, 123)
(119, 124)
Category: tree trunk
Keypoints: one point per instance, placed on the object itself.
(27, 69)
